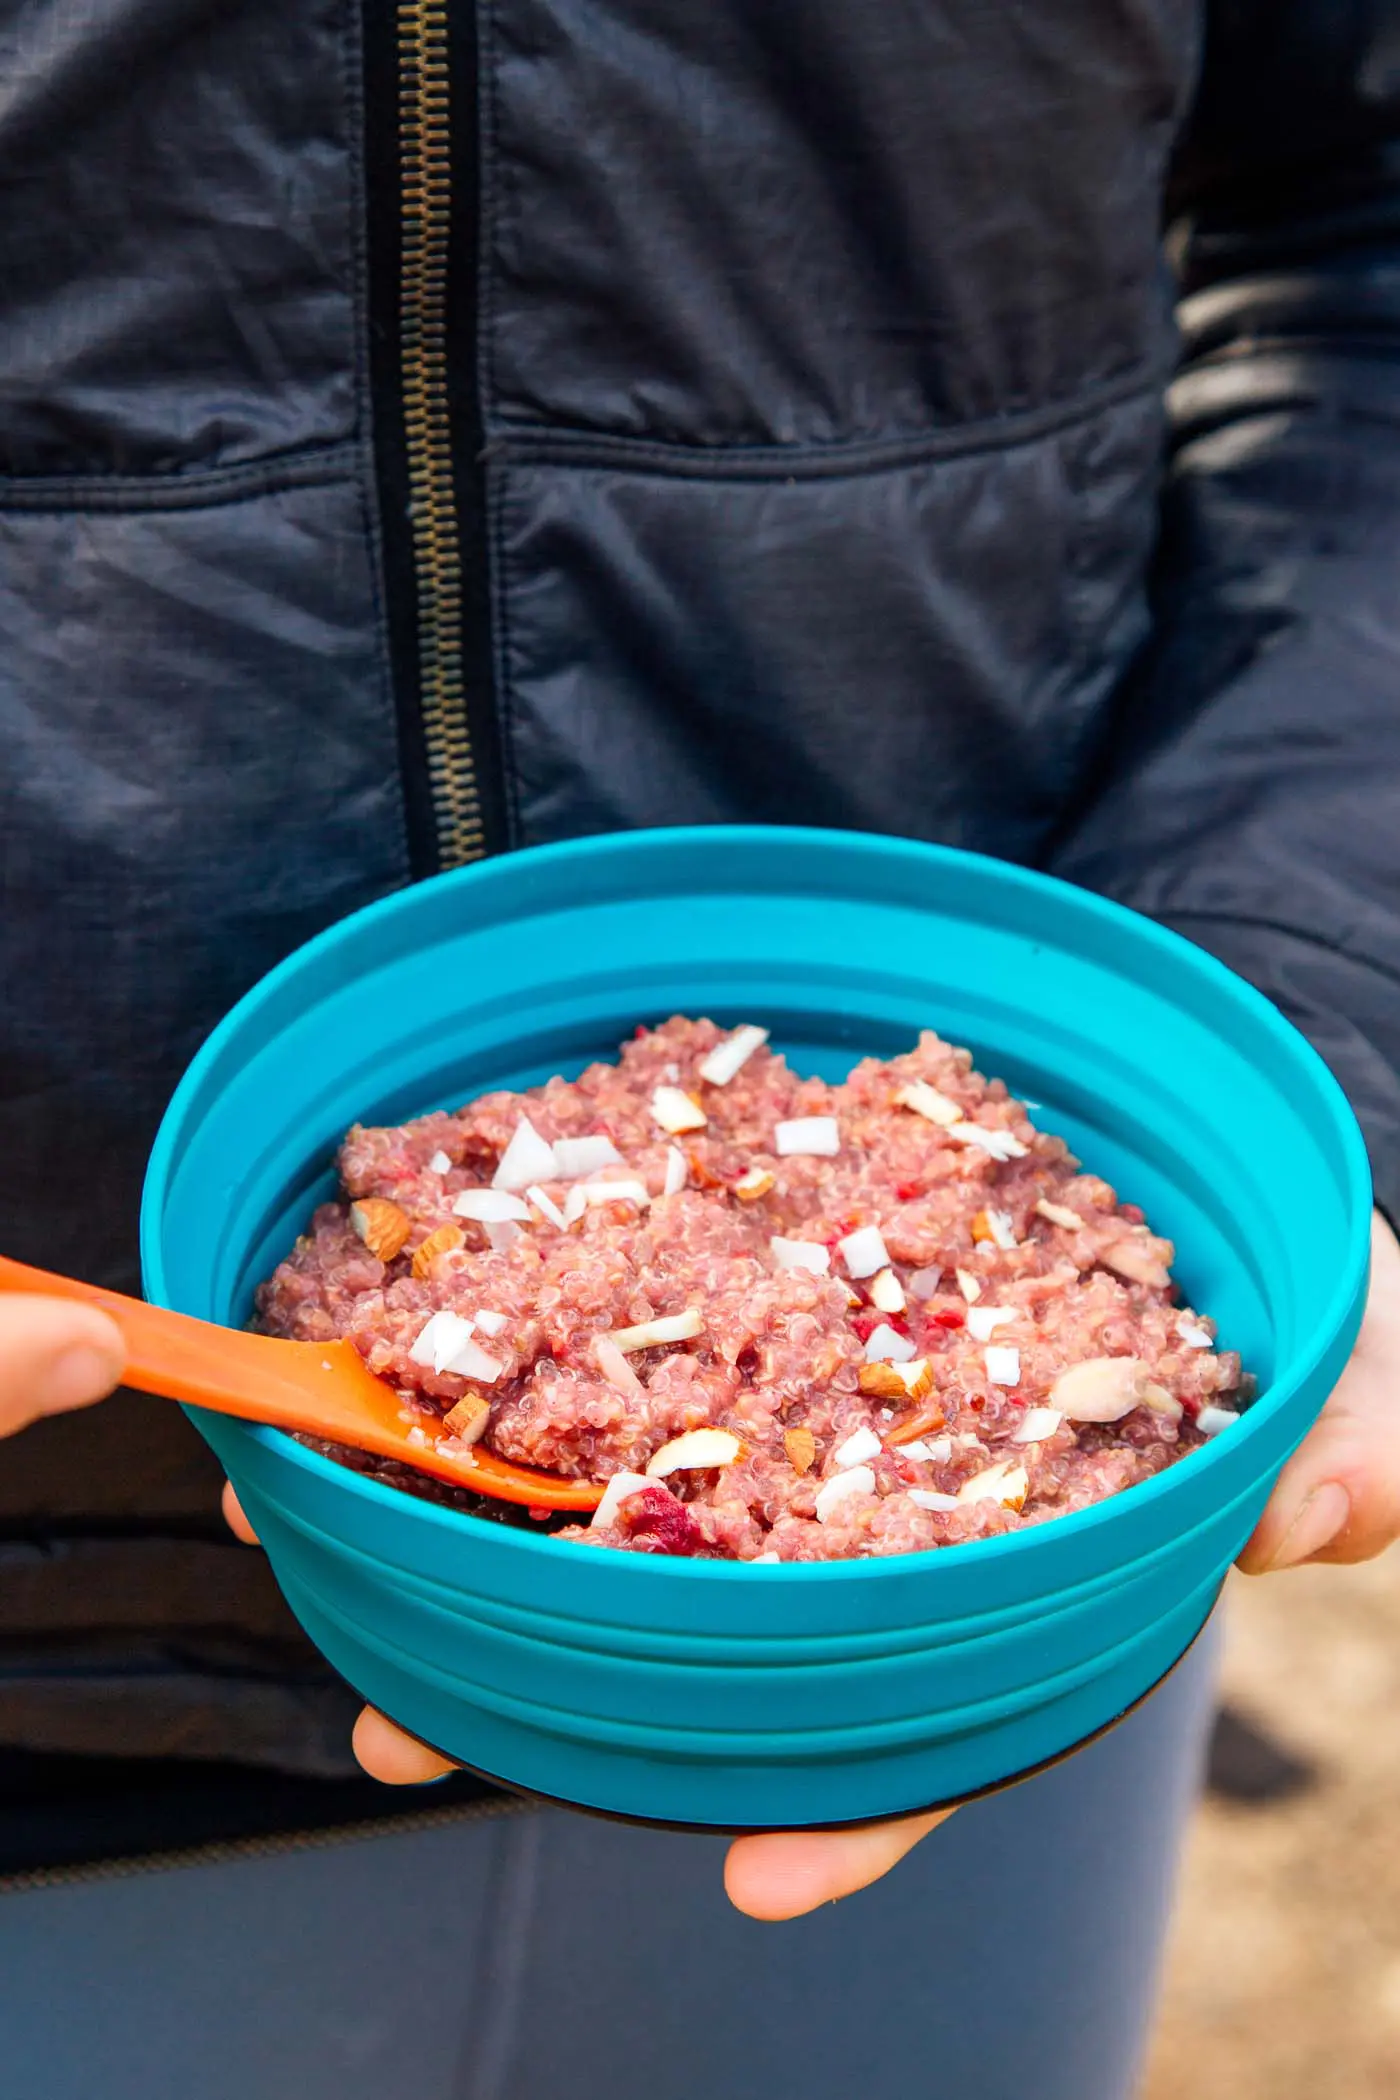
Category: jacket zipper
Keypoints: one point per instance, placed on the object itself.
(426, 165)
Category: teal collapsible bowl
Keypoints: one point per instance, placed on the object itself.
(710, 1693)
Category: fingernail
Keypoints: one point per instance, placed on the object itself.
(78, 1376)
(1323, 1516)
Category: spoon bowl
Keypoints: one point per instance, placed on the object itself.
(318, 1389)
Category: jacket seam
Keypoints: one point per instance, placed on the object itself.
(498, 526)
(519, 445)
(183, 491)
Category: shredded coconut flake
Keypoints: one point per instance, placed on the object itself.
(856, 1449)
(801, 1254)
(491, 1322)
(887, 1292)
(1036, 1424)
(597, 1193)
(674, 1111)
(730, 1056)
(1193, 1334)
(887, 1347)
(997, 1144)
(1003, 1230)
(572, 1158)
(439, 1163)
(969, 1286)
(677, 1172)
(841, 1488)
(929, 1498)
(526, 1158)
(546, 1206)
(923, 1284)
(815, 1137)
(926, 1101)
(864, 1252)
(489, 1206)
(439, 1339)
(1059, 1214)
(984, 1320)
(575, 1204)
(1211, 1420)
(1003, 1366)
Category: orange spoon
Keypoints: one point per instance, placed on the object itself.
(322, 1389)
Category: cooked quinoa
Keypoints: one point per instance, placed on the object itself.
(898, 1315)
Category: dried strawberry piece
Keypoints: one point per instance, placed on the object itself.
(908, 1191)
(948, 1316)
(656, 1521)
(865, 1324)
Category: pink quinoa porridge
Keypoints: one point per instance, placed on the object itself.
(782, 1319)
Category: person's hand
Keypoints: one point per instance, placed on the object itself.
(1338, 1498)
(54, 1356)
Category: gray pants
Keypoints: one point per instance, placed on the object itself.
(538, 1955)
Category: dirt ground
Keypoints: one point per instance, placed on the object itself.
(1284, 1974)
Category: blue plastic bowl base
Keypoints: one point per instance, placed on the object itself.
(705, 1692)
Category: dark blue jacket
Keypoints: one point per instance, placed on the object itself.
(427, 430)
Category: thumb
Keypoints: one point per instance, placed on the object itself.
(54, 1356)
(783, 1873)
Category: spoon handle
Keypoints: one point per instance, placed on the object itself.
(250, 1375)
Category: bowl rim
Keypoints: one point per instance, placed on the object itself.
(1151, 936)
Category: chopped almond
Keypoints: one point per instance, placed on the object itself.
(927, 1422)
(982, 1227)
(757, 1182)
(899, 1382)
(467, 1420)
(1007, 1484)
(614, 1366)
(801, 1448)
(446, 1240)
(968, 1285)
(655, 1334)
(1102, 1389)
(1161, 1402)
(1140, 1258)
(694, 1452)
(382, 1226)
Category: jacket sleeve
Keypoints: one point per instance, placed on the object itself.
(1249, 791)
